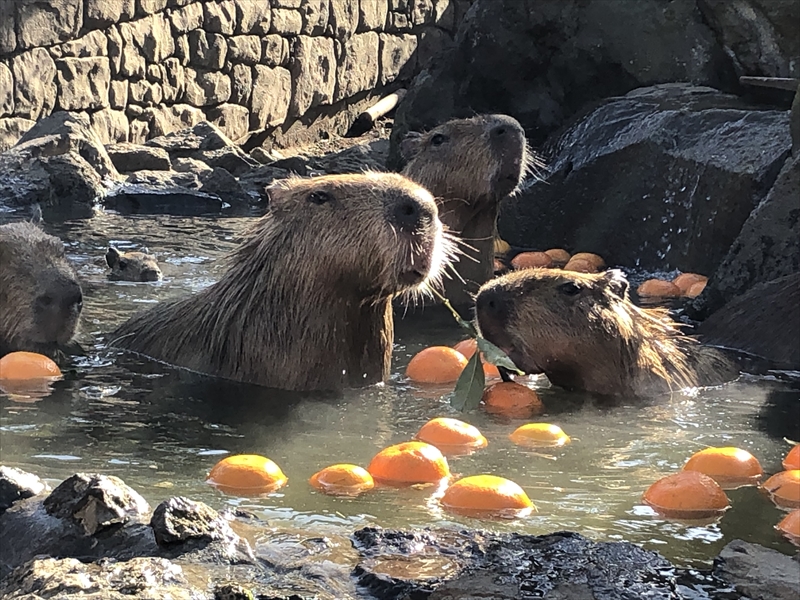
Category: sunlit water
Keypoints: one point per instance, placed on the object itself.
(161, 430)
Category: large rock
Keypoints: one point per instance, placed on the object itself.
(767, 247)
(11, 130)
(313, 72)
(252, 17)
(44, 23)
(102, 13)
(204, 88)
(17, 485)
(110, 125)
(271, 97)
(660, 178)
(398, 57)
(35, 86)
(83, 83)
(232, 119)
(180, 520)
(359, 65)
(94, 43)
(542, 61)
(759, 573)
(207, 50)
(132, 157)
(6, 91)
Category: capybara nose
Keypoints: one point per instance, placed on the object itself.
(150, 275)
(503, 126)
(72, 300)
(409, 214)
(492, 307)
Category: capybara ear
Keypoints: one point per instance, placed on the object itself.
(112, 256)
(411, 145)
(615, 281)
(36, 214)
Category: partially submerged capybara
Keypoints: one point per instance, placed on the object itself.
(132, 266)
(306, 301)
(584, 333)
(470, 165)
(763, 322)
(40, 297)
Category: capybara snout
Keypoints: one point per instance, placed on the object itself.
(57, 309)
(132, 266)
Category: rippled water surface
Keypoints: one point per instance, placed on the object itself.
(161, 429)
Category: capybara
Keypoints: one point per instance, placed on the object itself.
(470, 165)
(132, 266)
(763, 322)
(306, 301)
(584, 333)
(40, 296)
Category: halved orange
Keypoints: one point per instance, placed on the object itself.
(790, 526)
(511, 399)
(342, 480)
(27, 365)
(437, 364)
(792, 459)
(531, 260)
(409, 463)
(729, 467)
(487, 495)
(246, 474)
(539, 435)
(784, 488)
(451, 436)
(687, 495)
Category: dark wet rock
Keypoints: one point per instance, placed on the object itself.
(299, 165)
(18, 485)
(165, 179)
(256, 181)
(179, 520)
(232, 159)
(203, 136)
(145, 199)
(95, 502)
(661, 178)
(220, 182)
(543, 65)
(757, 572)
(763, 322)
(133, 157)
(138, 578)
(767, 247)
(190, 165)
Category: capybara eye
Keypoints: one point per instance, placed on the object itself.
(123, 264)
(569, 288)
(319, 197)
(438, 139)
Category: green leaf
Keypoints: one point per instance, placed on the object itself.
(469, 387)
(496, 356)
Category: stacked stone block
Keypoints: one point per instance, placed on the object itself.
(143, 68)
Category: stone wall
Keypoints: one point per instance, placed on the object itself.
(143, 68)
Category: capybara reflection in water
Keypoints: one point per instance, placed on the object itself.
(40, 297)
(584, 333)
(470, 165)
(306, 301)
(132, 266)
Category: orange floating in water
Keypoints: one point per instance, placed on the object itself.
(531, 260)
(342, 480)
(687, 495)
(685, 281)
(451, 436)
(560, 257)
(792, 459)
(579, 265)
(790, 526)
(729, 467)
(784, 488)
(595, 260)
(487, 495)
(409, 463)
(246, 474)
(437, 364)
(27, 365)
(539, 435)
(511, 399)
(658, 288)
(695, 290)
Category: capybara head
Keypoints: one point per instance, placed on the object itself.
(584, 333)
(306, 301)
(470, 165)
(132, 266)
(40, 297)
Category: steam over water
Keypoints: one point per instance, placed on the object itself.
(161, 429)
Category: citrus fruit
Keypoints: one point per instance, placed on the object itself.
(27, 365)
(409, 463)
(579, 265)
(784, 488)
(539, 434)
(437, 364)
(560, 257)
(342, 480)
(593, 259)
(729, 467)
(467, 347)
(684, 281)
(687, 495)
(451, 436)
(511, 399)
(695, 289)
(246, 474)
(658, 288)
(790, 525)
(531, 260)
(487, 495)
(792, 459)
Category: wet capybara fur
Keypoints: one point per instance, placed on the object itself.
(470, 165)
(763, 322)
(132, 266)
(40, 296)
(584, 333)
(306, 301)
